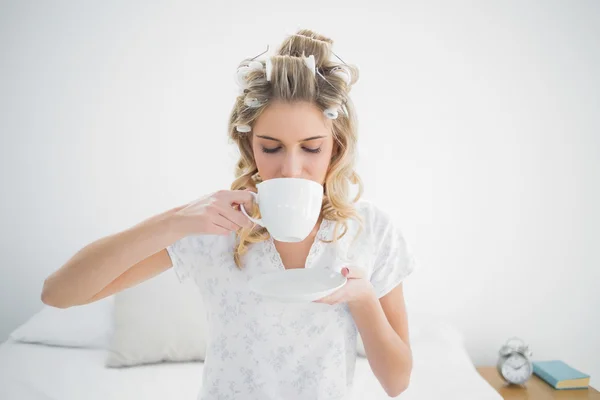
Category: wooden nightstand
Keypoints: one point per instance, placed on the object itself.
(535, 388)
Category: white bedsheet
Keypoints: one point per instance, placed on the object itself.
(40, 372)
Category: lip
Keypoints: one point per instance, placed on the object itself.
(289, 179)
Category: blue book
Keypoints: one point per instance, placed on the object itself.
(560, 375)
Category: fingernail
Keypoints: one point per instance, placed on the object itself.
(345, 271)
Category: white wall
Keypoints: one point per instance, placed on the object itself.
(479, 133)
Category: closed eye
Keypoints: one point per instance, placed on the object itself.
(270, 151)
(276, 149)
(317, 150)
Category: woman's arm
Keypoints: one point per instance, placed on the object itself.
(121, 260)
(383, 327)
(125, 258)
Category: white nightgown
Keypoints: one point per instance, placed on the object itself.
(265, 350)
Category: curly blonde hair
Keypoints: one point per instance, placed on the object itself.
(292, 81)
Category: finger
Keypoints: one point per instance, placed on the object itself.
(353, 272)
(235, 216)
(218, 230)
(324, 300)
(338, 297)
(225, 223)
(237, 197)
(332, 298)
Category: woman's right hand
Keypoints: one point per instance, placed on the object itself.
(216, 214)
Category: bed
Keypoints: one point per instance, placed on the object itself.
(442, 370)
(64, 354)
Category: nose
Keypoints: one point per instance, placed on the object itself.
(292, 166)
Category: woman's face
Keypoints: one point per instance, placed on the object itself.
(292, 141)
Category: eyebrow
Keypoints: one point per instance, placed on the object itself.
(277, 140)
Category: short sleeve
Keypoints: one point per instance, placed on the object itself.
(393, 260)
(187, 254)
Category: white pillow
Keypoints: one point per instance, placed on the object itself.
(86, 326)
(158, 320)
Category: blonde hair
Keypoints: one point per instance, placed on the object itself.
(292, 81)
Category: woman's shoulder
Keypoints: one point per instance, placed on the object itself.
(372, 224)
(373, 216)
(365, 235)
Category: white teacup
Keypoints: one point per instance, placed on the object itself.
(289, 207)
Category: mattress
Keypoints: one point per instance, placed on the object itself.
(442, 370)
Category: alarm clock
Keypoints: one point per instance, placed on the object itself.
(514, 364)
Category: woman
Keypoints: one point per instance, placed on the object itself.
(293, 118)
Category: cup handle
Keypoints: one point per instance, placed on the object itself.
(256, 221)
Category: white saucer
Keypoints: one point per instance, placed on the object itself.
(298, 284)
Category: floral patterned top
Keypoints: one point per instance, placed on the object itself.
(263, 349)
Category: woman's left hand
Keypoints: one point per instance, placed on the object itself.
(356, 288)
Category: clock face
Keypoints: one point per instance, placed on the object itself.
(516, 369)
